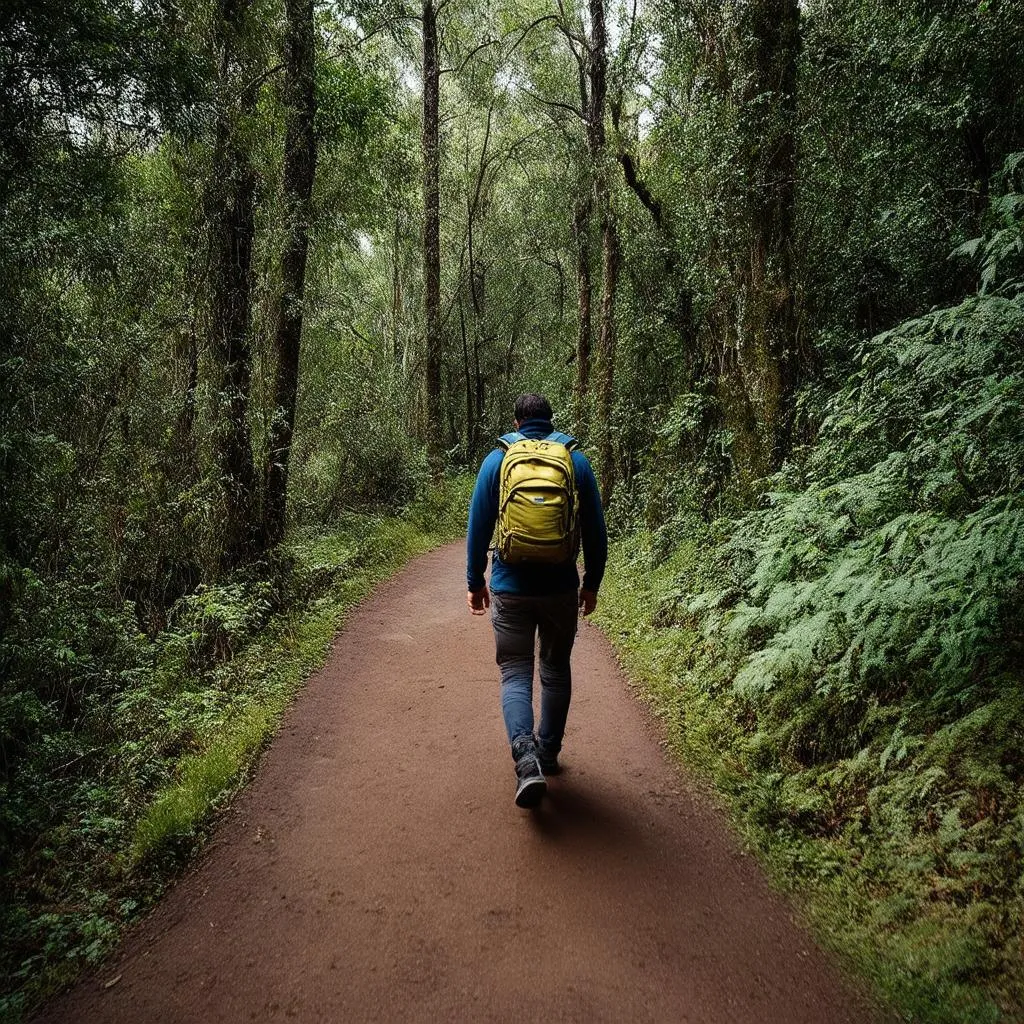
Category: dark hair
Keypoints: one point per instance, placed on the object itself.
(532, 407)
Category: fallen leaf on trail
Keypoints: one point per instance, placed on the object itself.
(113, 981)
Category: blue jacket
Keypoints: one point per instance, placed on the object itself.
(534, 579)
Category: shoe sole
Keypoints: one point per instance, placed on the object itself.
(531, 792)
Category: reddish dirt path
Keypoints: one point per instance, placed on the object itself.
(376, 868)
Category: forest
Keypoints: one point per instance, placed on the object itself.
(272, 274)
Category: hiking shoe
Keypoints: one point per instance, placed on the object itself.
(530, 784)
(548, 761)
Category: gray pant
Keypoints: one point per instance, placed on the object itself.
(518, 621)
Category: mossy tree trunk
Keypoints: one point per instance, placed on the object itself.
(581, 236)
(299, 174)
(761, 360)
(595, 199)
(432, 237)
(232, 217)
(606, 347)
(599, 156)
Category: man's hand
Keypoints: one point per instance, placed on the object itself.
(478, 600)
(588, 601)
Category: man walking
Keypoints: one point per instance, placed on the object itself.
(543, 496)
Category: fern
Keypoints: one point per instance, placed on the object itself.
(907, 543)
(862, 630)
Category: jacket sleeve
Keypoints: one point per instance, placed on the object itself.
(483, 514)
(592, 527)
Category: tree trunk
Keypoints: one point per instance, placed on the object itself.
(432, 236)
(396, 298)
(233, 190)
(480, 387)
(470, 397)
(581, 232)
(450, 413)
(606, 346)
(593, 88)
(184, 446)
(597, 144)
(598, 75)
(299, 173)
(767, 361)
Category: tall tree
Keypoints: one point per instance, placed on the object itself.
(597, 146)
(584, 289)
(476, 283)
(590, 54)
(761, 365)
(432, 233)
(299, 174)
(606, 347)
(232, 193)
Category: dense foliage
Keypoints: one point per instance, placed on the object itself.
(765, 257)
(846, 658)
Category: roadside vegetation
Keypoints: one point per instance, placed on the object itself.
(120, 796)
(845, 661)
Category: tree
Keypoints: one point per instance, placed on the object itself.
(589, 49)
(299, 173)
(762, 367)
(232, 226)
(432, 234)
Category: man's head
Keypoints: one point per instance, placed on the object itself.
(532, 407)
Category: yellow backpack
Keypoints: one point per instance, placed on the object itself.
(538, 506)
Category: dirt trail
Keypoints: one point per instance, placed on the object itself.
(376, 868)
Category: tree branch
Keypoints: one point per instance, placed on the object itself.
(554, 103)
(630, 172)
(367, 36)
(567, 30)
(529, 28)
(259, 80)
(472, 53)
(523, 33)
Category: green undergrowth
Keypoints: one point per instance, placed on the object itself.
(845, 664)
(881, 916)
(108, 812)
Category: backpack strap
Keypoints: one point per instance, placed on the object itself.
(568, 440)
(507, 440)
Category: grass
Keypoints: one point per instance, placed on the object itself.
(180, 808)
(928, 959)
